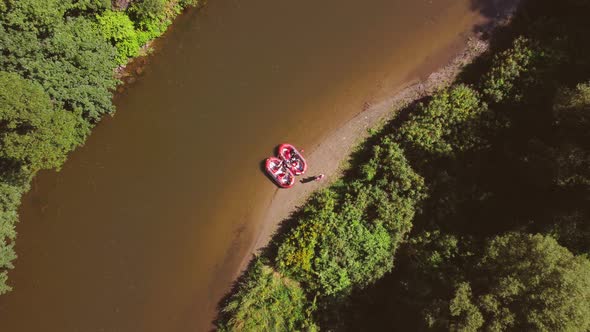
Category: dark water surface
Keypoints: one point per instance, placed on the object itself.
(144, 227)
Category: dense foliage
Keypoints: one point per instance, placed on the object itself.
(481, 194)
(446, 125)
(34, 135)
(347, 235)
(266, 301)
(57, 74)
(519, 282)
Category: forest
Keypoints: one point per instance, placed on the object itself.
(468, 211)
(57, 76)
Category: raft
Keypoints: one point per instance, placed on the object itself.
(292, 158)
(279, 172)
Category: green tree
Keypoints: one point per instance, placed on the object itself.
(152, 17)
(468, 317)
(90, 6)
(37, 16)
(354, 252)
(118, 29)
(449, 123)
(535, 280)
(334, 251)
(524, 282)
(396, 188)
(71, 61)
(571, 114)
(507, 67)
(298, 251)
(10, 195)
(147, 10)
(347, 235)
(33, 134)
(266, 301)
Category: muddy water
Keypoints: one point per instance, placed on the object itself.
(145, 226)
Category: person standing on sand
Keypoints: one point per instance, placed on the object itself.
(312, 178)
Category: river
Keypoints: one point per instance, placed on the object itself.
(145, 226)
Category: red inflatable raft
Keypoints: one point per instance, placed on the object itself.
(293, 159)
(278, 170)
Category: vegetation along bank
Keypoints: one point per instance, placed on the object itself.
(57, 74)
(468, 211)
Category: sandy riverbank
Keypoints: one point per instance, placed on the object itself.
(331, 154)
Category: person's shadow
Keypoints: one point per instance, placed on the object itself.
(307, 179)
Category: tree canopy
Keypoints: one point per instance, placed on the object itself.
(33, 134)
(266, 301)
(523, 282)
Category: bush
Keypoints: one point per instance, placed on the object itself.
(298, 250)
(118, 29)
(446, 125)
(353, 253)
(144, 11)
(396, 188)
(39, 17)
(33, 135)
(266, 301)
(524, 282)
(507, 67)
(89, 6)
(72, 62)
(347, 236)
(152, 17)
(10, 195)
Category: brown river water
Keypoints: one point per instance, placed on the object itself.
(145, 226)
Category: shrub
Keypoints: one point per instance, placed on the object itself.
(90, 6)
(266, 301)
(353, 253)
(152, 17)
(446, 125)
(298, 250)
(347, 236)
(118, 29)
(334, 251)
(73, 64)
(147, 10)
(40, 17)
(507, 67)
(33, 135)
(523, 282)
(396, 187)
(10, 195)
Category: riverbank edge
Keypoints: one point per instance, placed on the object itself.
(342, 142)
(126, 74)
(334, 151)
